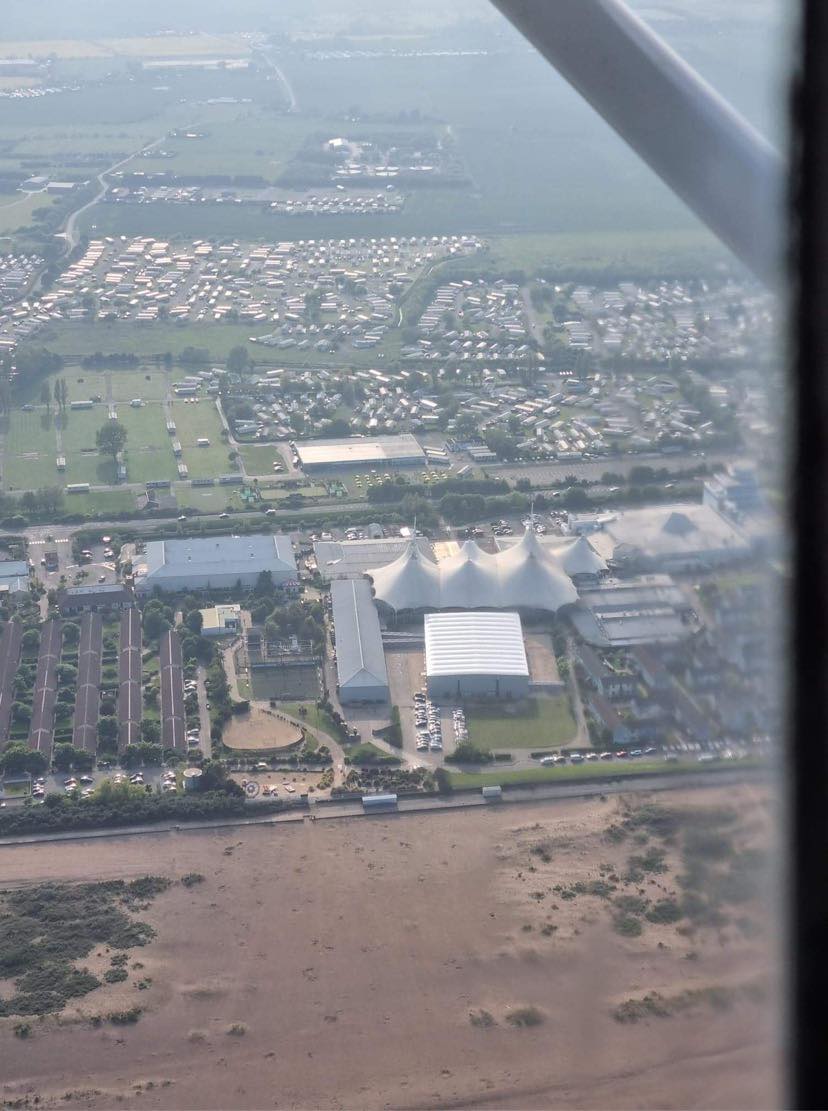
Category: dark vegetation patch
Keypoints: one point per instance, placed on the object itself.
(656, 1005)
(45, 930)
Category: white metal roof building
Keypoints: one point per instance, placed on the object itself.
(525, 577)
(360, 659)
(475, 655)
(213, 563)
(359, 451)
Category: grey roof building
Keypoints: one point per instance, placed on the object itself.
(213, 563)
(342, 559)
(360, 659)
(14, 576)
(92, 599)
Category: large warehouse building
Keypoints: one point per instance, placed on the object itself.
(666, 537)
(525, 577)
(475, 655)
(213, 563)
(360, 659)
(359, 451)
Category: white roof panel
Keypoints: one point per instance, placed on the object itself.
(478, 643)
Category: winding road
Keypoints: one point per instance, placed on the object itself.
(69, 231)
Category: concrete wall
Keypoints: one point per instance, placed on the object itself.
(378, 693)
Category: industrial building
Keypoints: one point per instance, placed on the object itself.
(667, 538)
(360, 659)
(526, 577)
(358, 451)
(343, 559)
(213, 563)
(475, 655)
(644, 610)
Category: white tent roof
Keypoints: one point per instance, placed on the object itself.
(531, 578)
(469, 579)
(526, 576)
(412, 581)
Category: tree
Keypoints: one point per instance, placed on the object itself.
(111, 438)
(62, 757)
(18, 758)
(46, 396)
(155, 623)
(71, 633)
(194, 621)
(107, 728)
(31, 639)
(238, 360)
(501, 443)
(150, 732)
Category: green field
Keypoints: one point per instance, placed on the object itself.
(16, 209)
(259, 459)
(535, 723)
(29, 452)
(100, 502)
(192, 422)
(149, 454)
(208, 499)
(587, 771)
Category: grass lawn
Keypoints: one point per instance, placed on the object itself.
(16, 209)
(193, 422)
(368, 753)
(30, 451)
(149, 383)
(98, 502)
(209, 499)
(149, 453)
(315, 718)
(586, 771)
(259, 459)
(534, 723)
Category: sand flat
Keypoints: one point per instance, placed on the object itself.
(349, 956)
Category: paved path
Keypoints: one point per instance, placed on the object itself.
(413, 805)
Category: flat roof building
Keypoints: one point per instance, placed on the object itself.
(670, 538)
(358, 451)
(475, 655)
(360, 658)
(220, 621)
(213, 563)
(342, 559)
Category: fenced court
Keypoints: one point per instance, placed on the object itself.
(295, 682)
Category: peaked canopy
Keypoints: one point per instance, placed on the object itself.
(526, 576)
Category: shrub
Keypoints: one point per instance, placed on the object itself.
(626, 925)
(524, 1016)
